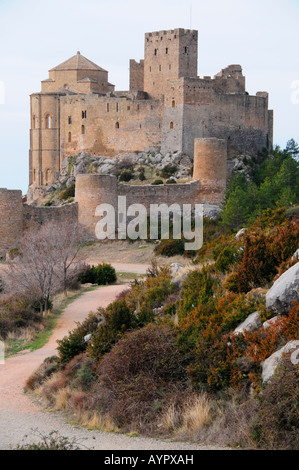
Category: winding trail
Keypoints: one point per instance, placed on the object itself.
(19, 415)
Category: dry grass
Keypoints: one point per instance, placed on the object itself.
(197, 413)
(94, 420)
(62, 399)
(192, 417)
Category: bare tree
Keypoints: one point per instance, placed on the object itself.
(48, 258)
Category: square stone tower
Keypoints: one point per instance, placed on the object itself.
(169, 55)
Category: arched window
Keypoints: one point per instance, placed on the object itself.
(48, 121)
(171, 125)
(117, 125)
(173, 103)
(70, 137)
(70, 120)
(83, 130)
(66, 86)
(48, 175)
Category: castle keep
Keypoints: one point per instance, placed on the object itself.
(167, 107)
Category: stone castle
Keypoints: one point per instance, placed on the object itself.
(168, 108)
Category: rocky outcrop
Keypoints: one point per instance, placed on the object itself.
(269, 365)
(252, 323)
(284, 292)
(272, 322)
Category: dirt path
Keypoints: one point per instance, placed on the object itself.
(18, 415)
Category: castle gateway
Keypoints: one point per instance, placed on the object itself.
(168, 106)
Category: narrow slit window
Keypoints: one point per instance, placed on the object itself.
(48, 121)
(173, 103)
(70, 137)
(70, 120)
(117, 125)
(83, 130)
(108, 108)
(171, 125)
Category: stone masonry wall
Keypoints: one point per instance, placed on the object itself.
(11, 218)
(34, 216)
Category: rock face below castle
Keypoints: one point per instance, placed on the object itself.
(167, 107)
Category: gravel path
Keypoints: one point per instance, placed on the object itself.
(19, 415)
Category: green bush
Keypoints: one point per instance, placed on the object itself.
(168, 171)
(171, 181)
(68, 192)
(74, 344)
(170, 248)
(157, 182)
(198, 288)
(126, 175)
(103, 274)
(118, 318)
(226, 258)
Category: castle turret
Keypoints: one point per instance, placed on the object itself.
(210, 168)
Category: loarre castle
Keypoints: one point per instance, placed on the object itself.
(168, 108)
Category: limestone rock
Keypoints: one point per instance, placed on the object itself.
(284, 292)
(252, 323)
(270, 364)
(273, 321)
(240, 233)
(87, 338)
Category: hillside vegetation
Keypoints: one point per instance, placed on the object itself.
(182, 354)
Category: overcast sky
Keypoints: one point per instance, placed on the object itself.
(261, 35)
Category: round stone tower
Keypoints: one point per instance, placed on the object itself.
(11, 218)
(210, 168)
(91, 191)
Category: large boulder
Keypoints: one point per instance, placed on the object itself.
(252, 323)
(284, 292)
(269, 365)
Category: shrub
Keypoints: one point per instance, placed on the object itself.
(140, 374)
(170, 248)
(226, 258)
(198, 288)
(263, 254)
(157, 182)
(68, 192)
(126, 175)
(103, 274)
(74, 344)
(168, 170)
(52, 441)
(277, 424)
(117, 320)
(171, 181)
